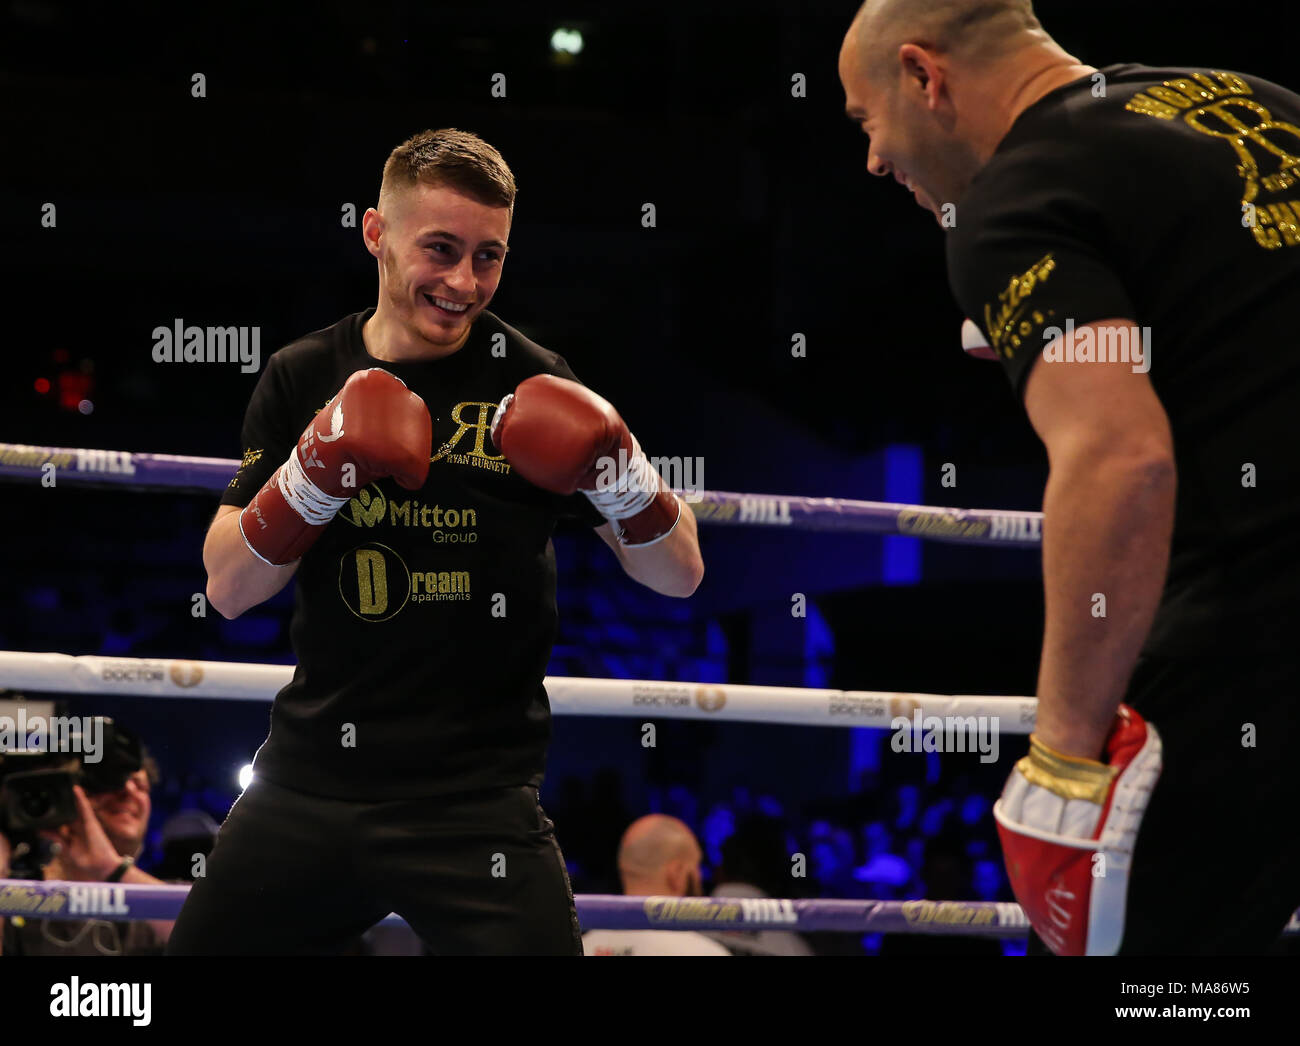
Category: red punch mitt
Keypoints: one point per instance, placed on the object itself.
(1069, 828)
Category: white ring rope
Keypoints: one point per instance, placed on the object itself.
(797, 706)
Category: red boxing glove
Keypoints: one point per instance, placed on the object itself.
(564, 438)
(1057, 813)
(374, 427)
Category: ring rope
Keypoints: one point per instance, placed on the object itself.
(124, 902)
(996, 527)
(789, 705)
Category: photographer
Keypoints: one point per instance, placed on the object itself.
(99, 843)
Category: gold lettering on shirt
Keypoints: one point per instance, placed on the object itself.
(1235, 131)
(480, 426)
(1011, 322)
(1277, 225)
(250, 458)
(440, 585)
(372, 582)
(1215, 106)
(1165, 101)
(375, 583)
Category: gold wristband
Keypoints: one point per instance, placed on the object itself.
(1065, 775)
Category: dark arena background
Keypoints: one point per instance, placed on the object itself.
(784, 320)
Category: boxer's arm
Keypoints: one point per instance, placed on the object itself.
(1108, 518)
(671, 567)
(373, 427)
(237, 579)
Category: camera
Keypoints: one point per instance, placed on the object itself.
(36, 791)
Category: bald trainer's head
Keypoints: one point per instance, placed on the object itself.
(936, 84)
(660, 855)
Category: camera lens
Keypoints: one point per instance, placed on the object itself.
(36, 801)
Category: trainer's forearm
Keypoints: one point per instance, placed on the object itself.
(237, 579)
(163, 928)
(671, 567)
(1106, 532)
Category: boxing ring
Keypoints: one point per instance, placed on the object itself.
(175, 678)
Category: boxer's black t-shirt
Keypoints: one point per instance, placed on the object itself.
(1173, 201)
(423, 620)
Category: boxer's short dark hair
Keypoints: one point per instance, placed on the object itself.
(455, 159)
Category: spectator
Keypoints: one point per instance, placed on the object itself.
(185, 836)
(658, 856)
(756, 863)
(99, 845)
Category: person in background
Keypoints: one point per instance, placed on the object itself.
(756, 863)
(100, 845)
(658, 856)
(186, 836)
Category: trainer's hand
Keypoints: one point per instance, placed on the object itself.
(85, 853)
(374, 427)
(1057, 814)
(564, 438)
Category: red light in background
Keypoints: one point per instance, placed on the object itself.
(42, 385)
(60, 355)
(73, 388)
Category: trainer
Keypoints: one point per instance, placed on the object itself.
(1127, 239)
(408, 465)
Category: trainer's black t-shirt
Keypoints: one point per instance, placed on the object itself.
(423, 620)
(1172, 201)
